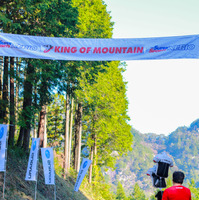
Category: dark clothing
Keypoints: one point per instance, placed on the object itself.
(159, 195)
(163, 169)
(158, 182)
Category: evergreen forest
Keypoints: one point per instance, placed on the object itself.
(80, 107)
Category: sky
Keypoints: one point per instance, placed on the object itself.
(163, 94)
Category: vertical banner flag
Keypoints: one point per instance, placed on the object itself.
(3, 142)
(31, 173)
(48, 165)
(82, 172)
(94, 49)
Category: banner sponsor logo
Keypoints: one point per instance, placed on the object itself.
(182, 47)
(47, 153)
(49, 172)
(85, 164)
(47, 48)
(43, 48)
(157, 49)
(34, 145)
(5, 44)
(1, 132)
(48, 165)
(30, 167)
(1, 135)
(31, 173)
(82, 172)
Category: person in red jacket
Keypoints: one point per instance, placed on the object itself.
(177, 191)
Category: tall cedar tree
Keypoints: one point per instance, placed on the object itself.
(4, 104)
(120, 193)
(93, 22)
(55, 128)
(138, 193)
(12, 104)
(108, 129)
(44, 18)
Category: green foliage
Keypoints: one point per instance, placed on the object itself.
(16, 152)
(93, 19)
(55, 117)
(152, 197)
(169, 181)
(138, 193)
(194, 190)
(106, 103)
(120, 194)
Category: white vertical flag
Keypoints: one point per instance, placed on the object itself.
(31, 173)
(48, 165)
(3, 142)
(82, 172)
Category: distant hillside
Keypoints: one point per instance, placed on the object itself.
(132, 167)
(182, 146)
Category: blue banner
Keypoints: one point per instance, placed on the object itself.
(25, 46)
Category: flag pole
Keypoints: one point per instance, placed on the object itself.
(54, 184)
(36, 190)
(36, 175)
(4, 182)
(54, 178)
(55, 191)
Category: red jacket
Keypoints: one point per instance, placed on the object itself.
(177, 193)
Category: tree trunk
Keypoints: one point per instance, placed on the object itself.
(78, 136)
(16, 92)
(91, 166)
(24, 135)
(41, 128)
(45, 129)
(1, 89)
(5, 92)
(66, 145)
(35, 129)
(95, 149)
(28, 88)
(12, 104)
(20, 138)
(93, 153)
(70, 132)
(35, 115)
